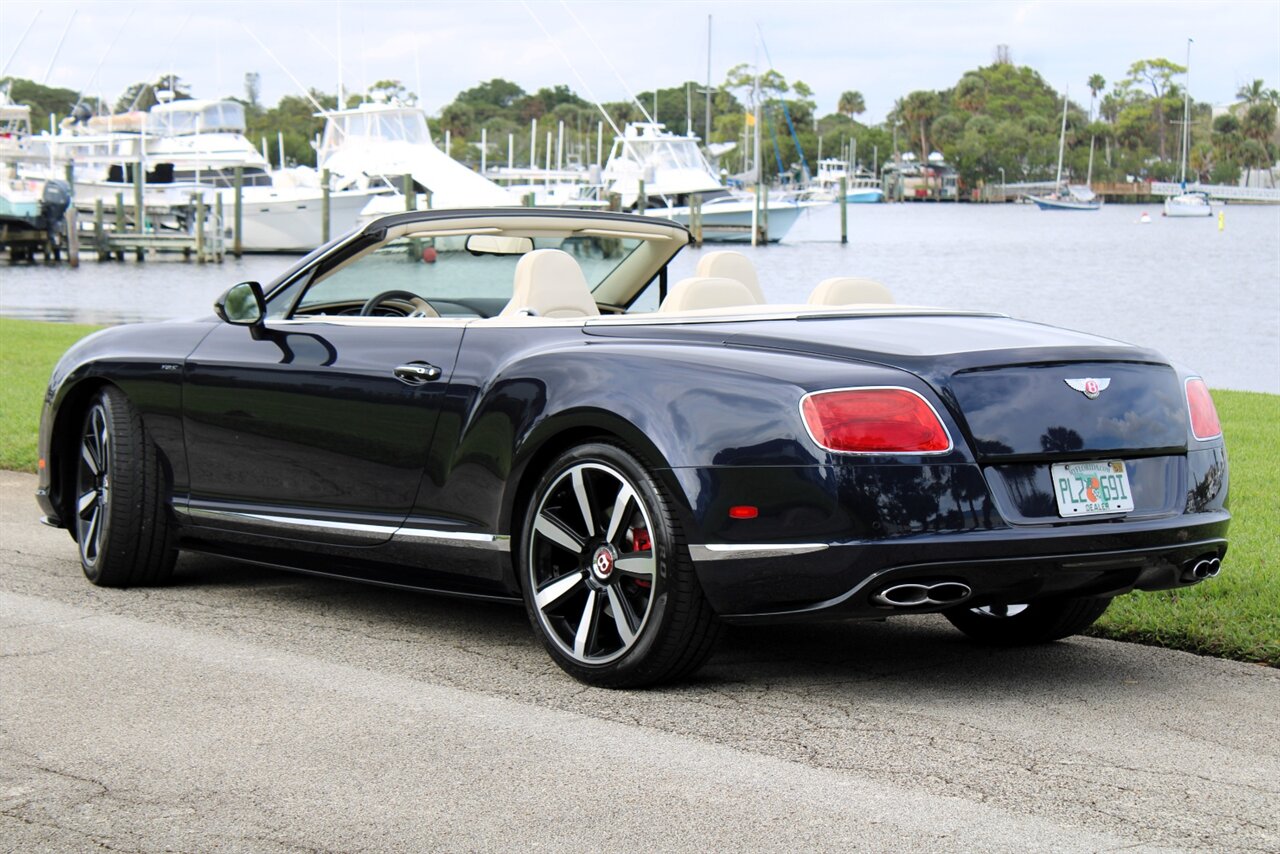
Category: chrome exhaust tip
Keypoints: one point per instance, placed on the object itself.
(1205, 567)
(916, 594)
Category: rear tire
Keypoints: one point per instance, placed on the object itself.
(1036, 622)
(120, 518)
(607, 579)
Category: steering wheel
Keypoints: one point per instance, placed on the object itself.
(421, 308)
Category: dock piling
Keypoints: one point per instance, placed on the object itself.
(237, 246)
(324, 212)
(844, 210)
(199, 209)
(410, 197)
(97, 227)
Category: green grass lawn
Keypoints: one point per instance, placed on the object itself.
(28, 351)
(1236, 615)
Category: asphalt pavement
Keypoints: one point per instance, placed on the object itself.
(245, 709)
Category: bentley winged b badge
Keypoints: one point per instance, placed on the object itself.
(1090, 387)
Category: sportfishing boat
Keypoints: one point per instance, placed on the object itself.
(1188, 203)
(861, 187)
(1068, 197)
(673, 168)
(375, 144)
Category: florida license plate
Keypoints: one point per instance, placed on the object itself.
(1088, 489)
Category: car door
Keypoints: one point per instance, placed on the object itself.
(315, 425)
(320, 429)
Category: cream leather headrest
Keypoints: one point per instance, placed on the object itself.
(704, 292)
(849, 290)
(730, 265)
(549, 283)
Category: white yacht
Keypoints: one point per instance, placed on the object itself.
(673, 168)
(194, 147)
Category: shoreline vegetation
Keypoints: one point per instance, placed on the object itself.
(998, 123)
(1236, 615)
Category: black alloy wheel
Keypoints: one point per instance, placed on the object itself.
(121, 520)
(607, 579)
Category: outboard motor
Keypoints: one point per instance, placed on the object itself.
(54, 202)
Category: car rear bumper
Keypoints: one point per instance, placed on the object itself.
(842, 580)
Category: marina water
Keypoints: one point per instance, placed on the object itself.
(1208, 299)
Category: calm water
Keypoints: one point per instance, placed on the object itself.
(1207, 299)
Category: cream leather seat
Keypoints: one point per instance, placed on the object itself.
(848, 290)
(724, 264)
(549, 283)
(701, 292)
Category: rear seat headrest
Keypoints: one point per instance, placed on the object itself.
(849, 290)
(706, 292)
(725, 264)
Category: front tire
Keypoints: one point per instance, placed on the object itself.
(1033, 623)
(122, 525)
(607, 579)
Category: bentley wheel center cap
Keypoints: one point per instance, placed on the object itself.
(603, 562)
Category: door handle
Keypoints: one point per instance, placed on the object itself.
(417, 373)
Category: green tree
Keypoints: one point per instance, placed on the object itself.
(1157, 75)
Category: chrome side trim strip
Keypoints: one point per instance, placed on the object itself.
(358, 530)
(492, 542)
(725, 551)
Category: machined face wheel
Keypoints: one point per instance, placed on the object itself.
(93, 485)
(592, 563)
(999, 611)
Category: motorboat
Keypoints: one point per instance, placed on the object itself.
(375, 145)
(861, 188)
(194, 148)
(672, 169)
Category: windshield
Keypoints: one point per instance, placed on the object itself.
(442, 269)
(176, 120)
(383, 126)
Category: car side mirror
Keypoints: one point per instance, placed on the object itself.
(242, 304)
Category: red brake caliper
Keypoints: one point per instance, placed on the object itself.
(640, 543)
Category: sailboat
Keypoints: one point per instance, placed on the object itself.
(1189, 202)
(1073, 197)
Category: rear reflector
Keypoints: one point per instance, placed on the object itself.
(1204, 416)
(874, 421)
(744, 511)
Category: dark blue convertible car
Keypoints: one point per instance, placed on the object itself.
(472, 402)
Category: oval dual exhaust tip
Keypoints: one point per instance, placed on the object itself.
(918, 594)
(1199, 570)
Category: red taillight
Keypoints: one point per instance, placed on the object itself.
(1204, 417)
(874, 421)
(744, 511)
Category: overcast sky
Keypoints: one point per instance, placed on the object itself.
(437, 49)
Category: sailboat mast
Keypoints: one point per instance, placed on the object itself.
(1062, 137)
(1186, 117)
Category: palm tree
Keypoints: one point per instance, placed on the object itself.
(1096, 84)
(851, 104)
(1252, 93)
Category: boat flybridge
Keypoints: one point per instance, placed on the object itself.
(379, 142)
(673, 168)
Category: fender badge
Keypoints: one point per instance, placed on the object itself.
(1090, 387)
